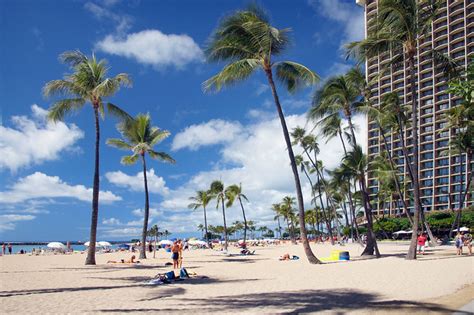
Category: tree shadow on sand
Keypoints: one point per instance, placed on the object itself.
(337, 301)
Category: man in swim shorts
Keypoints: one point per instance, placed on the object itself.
(175, 254)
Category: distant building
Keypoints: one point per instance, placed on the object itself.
(440, 175)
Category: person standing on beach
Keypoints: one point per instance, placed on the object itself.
(421, 243)
(3, 249)
(468, 242)
(458, 241)
(9, 248)
(175, 254)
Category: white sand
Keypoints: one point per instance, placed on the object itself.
(250, 284)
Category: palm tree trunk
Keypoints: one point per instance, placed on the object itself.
(371, 245)
(205, 225)
(415, 183)
(245, 220)
(225, 226)
(397, 184)
(154, 248)
(279, 226)
(147, 211)
(299, 194)
(90, 260)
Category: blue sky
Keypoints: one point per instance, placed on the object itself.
(47, 169)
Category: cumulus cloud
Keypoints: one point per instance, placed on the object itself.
(156, 184)
(33, 140)
(111, 221)
(8, 221)
(39, 185)
(152, 47)
(216, 131)
(257, 158)
(347, 14)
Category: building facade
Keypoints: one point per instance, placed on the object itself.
(439, 171)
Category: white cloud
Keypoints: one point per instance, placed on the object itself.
(338, 68)
(121, 232)
(156, 184)
(123, 22)
(348, 14)
(33, 140)
(259, 160)
(111, 221)
(152, 47)
(216, 131)
(152, 211)
(8, 221)
(39, 185)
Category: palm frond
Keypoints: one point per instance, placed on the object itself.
(61, 108)
(119, 144)
(73, 58)
(129, 159)
(161, 156)
(116, 111)
(294, 75)
(231, 74)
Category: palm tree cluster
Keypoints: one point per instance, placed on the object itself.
(225, 197)
(88, 83)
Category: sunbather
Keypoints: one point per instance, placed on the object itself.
(123, 261)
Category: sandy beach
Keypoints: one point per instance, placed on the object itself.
(439, 282)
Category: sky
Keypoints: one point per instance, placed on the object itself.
(46, 169)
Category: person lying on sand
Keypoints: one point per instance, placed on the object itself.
(288, 257)
(123, 261)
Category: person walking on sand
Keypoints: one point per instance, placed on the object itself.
(9, 248)
(180, 253)
(468, 242)
(458, 241)
(421, 241)
(3, 249)
(175, 254)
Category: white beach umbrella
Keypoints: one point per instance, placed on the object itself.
(165, 242)
(87, 244)
(462, 229)
(56, 245)
(104, 244)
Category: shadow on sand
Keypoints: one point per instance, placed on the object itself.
(336, 301)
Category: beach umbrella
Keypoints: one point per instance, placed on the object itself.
(87, 244)
(56, 245)
(104, 244)
(165, 242)
(462, 229)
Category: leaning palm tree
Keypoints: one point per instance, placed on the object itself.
(217, 191)
(139, 136)
(248, 42)
(232, 192)
(355, 163)
(399, 26)
(201, 199)
(276, 209)
(88, 83)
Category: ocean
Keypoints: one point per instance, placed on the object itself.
(28, 248)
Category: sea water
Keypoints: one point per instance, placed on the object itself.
(29, 248)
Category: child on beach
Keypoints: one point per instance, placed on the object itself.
(421, 241)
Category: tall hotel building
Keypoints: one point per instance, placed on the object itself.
(440, 175)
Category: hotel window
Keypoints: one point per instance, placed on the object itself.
(444, 134)
(442, 180)
(457, 169)
(427, 138)
(458, 54)
(442, 97)
(442, 162)
(443, 106)
(427, 129)
(426, 93)
(442, 171)
(427, 182)
(441, 88)
(427, 156)
(426, 165)
(427, 174)
(456, 179)
(427, 120)
(457, 35)
(442, 199)
(442, 144)
(457, 45)
(427, 192)
(442, 190)
(427, 83)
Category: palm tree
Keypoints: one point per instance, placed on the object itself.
(248, 41)
(87, 83)
(201, 199)
(153, 232)
(232, 192)
(201, 228)
(217, 191)
(355, 163)
(286, 208)
(140, 137)
(397, 30)
(278, 215)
